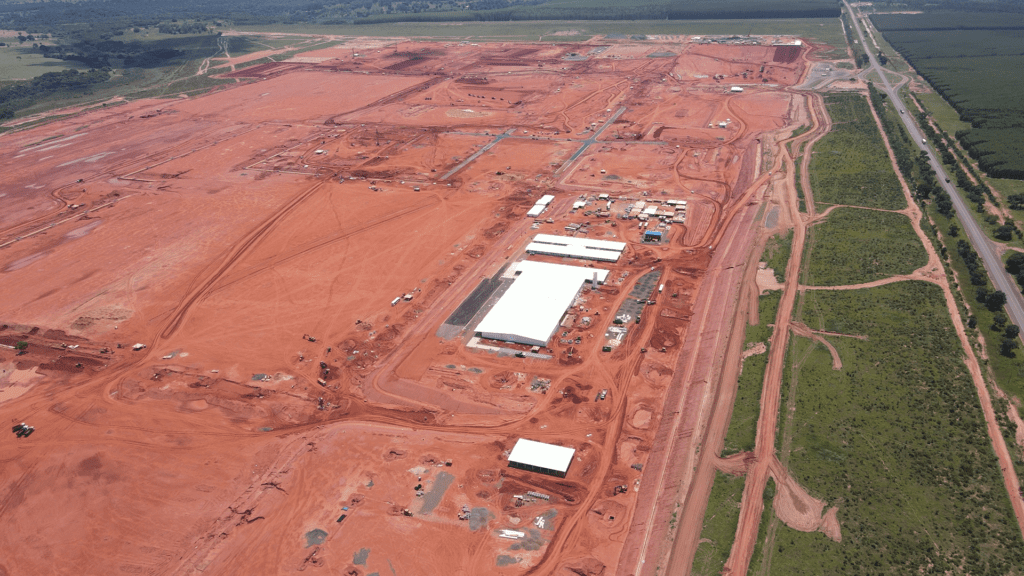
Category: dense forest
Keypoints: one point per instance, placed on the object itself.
(974, 61)
(972, 6)
(66, 83)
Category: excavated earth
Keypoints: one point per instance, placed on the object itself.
(284, 415)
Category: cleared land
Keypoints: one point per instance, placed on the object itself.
(254, 238)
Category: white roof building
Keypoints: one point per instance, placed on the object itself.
(545, 199)
(584, 242)
(536, 210)
(532, 308)
(540, 457)
(581, 252)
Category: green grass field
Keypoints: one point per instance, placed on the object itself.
(850, 164)
(720, 521)
(24, 63)
(747, 406)
(897, 440)
(853, 246)
(945, 116)
(825, 30)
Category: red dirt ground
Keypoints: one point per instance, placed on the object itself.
(220, 230)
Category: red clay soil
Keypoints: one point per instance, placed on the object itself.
(253, 240)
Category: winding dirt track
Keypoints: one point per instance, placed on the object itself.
(764, 451)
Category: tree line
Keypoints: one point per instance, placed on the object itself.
(68, 82)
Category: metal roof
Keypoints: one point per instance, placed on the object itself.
(542, 455)
(581, 242)
(580, 252)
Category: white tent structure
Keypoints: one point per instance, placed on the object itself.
(532, 308)
(540, 457)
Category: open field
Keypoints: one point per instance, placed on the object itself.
(285, 251)
(898, 428)
(850, 165)
(945, 115)
(777, 251)
(22, 63)
(854, 245)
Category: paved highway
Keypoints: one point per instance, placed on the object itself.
(993, 263)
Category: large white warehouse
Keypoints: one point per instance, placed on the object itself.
(532, 308)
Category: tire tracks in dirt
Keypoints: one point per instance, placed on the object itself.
(201, 286)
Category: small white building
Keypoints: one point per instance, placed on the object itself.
(736, 89)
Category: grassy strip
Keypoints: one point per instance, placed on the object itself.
(850, 164)
(1009, 371)
(182, 86)
(743, 425)
(742, 431)
(720, 521)
(757, 558)
(802, 207)
(897, 440)
(824, 30)
(854, 246)
(945, 115)
(776, 254)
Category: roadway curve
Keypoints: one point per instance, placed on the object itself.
(989, 255)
